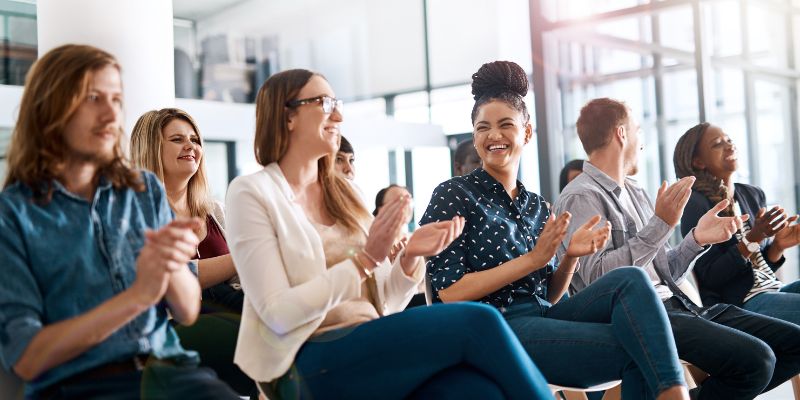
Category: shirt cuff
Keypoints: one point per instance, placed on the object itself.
(692, 244)
(19, 332)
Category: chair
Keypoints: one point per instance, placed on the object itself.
(612, 389)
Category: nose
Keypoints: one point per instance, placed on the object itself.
(336, 115)
(109, 110)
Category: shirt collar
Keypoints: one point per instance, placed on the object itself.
(602, 179)
(491, 185)
(102, 184)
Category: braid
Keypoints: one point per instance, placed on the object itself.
(500, 80)
(706, 184)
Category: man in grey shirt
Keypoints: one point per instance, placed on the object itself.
(745, 353)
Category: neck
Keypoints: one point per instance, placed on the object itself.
(177, 193)
(80, 178)
(611, 164)
(506, 176)
(728, 182)
(301, 172)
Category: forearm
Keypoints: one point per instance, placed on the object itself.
(774, 253)
(477, 285)
(62, 341)
(559, 281)
(183, 296)
(215, 270)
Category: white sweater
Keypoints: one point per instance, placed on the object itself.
(288, 289)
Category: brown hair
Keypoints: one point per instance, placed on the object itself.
(503, 81)
(146, 146)
(705, 183)
(55, 87)
(598, 120)
(272, 142)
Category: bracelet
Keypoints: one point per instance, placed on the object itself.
(370, 258)
(360, 265)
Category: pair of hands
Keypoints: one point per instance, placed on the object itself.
(428, 240)
(775, 222)
(165, 251)
(586, 240)
(711, 228)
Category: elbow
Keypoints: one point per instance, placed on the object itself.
(450, 296)
(25, 371)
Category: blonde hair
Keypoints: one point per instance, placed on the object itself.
(146, 146)
(272, 142)
(56, 86)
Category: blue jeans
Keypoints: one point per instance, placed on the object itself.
(616, 328)
(463, 350)
(784, 304)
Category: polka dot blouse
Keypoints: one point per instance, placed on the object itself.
(497, 229)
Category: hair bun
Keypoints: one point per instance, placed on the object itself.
(499, 77)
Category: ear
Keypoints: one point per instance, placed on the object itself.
(698, 164)
(621, 133)
(290, 119)
(528, 132)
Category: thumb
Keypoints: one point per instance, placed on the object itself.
(591, 222)
(745, 217)
(720, 206)
(662, 188)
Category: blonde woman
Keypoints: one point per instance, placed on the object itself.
(168, 142)
(319, 288)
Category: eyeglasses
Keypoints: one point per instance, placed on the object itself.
(328, 103)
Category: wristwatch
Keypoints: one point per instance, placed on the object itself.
(750, 246)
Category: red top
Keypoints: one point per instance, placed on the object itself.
(214, 245)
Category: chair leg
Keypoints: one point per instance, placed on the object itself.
(614, 393)
(570, 395)
(796, 386)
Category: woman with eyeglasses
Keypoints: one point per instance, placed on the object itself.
(321, 312)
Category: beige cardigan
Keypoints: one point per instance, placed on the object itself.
(288, 289)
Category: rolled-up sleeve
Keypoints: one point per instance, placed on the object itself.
(446, 268)
(20, 298)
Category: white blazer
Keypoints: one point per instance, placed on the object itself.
(288, 289)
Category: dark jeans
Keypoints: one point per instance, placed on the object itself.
(157, 381)
(222, 298)
(214, 337)
(616, 328)
(465, 348)
(744, 353)
(784, 304)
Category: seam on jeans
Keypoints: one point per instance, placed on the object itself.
(639, 336)
(572, 341)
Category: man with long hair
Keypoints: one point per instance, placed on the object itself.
(91, 259)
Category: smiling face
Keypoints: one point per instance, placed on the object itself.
(500, 133)
(181, 150)
(310, 128)
(93, 130)
(716, 154)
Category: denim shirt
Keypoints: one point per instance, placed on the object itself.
(63, 258)
(497, 229)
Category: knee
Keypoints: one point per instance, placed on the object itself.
(757, 362)
(633, 277)
(472, 316)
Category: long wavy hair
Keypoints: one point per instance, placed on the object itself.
(147, 141)
(272, 142)
(55, 87)
(707, 184)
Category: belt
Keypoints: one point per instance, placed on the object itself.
(135, 363)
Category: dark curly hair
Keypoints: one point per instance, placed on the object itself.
(707, 184)
(500, 80)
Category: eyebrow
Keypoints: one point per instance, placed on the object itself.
(500, 121)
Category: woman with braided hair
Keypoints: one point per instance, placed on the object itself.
(614, 329)
(740, 271)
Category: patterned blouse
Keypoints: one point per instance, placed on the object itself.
(497, 229)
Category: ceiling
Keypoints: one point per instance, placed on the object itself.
(199, 9)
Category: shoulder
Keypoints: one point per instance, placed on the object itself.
(13, 199)
(582, 188)
(750, 190)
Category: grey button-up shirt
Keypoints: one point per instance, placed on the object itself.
(592, 193)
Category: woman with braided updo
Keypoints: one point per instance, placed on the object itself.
(740, 271)
(614, 329)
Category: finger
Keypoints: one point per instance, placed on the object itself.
(182, 238)
(662, 189)
(744, 218)
(792, 219)
(187, 223)
(761, 212)
(720, 206)
(591, 223)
